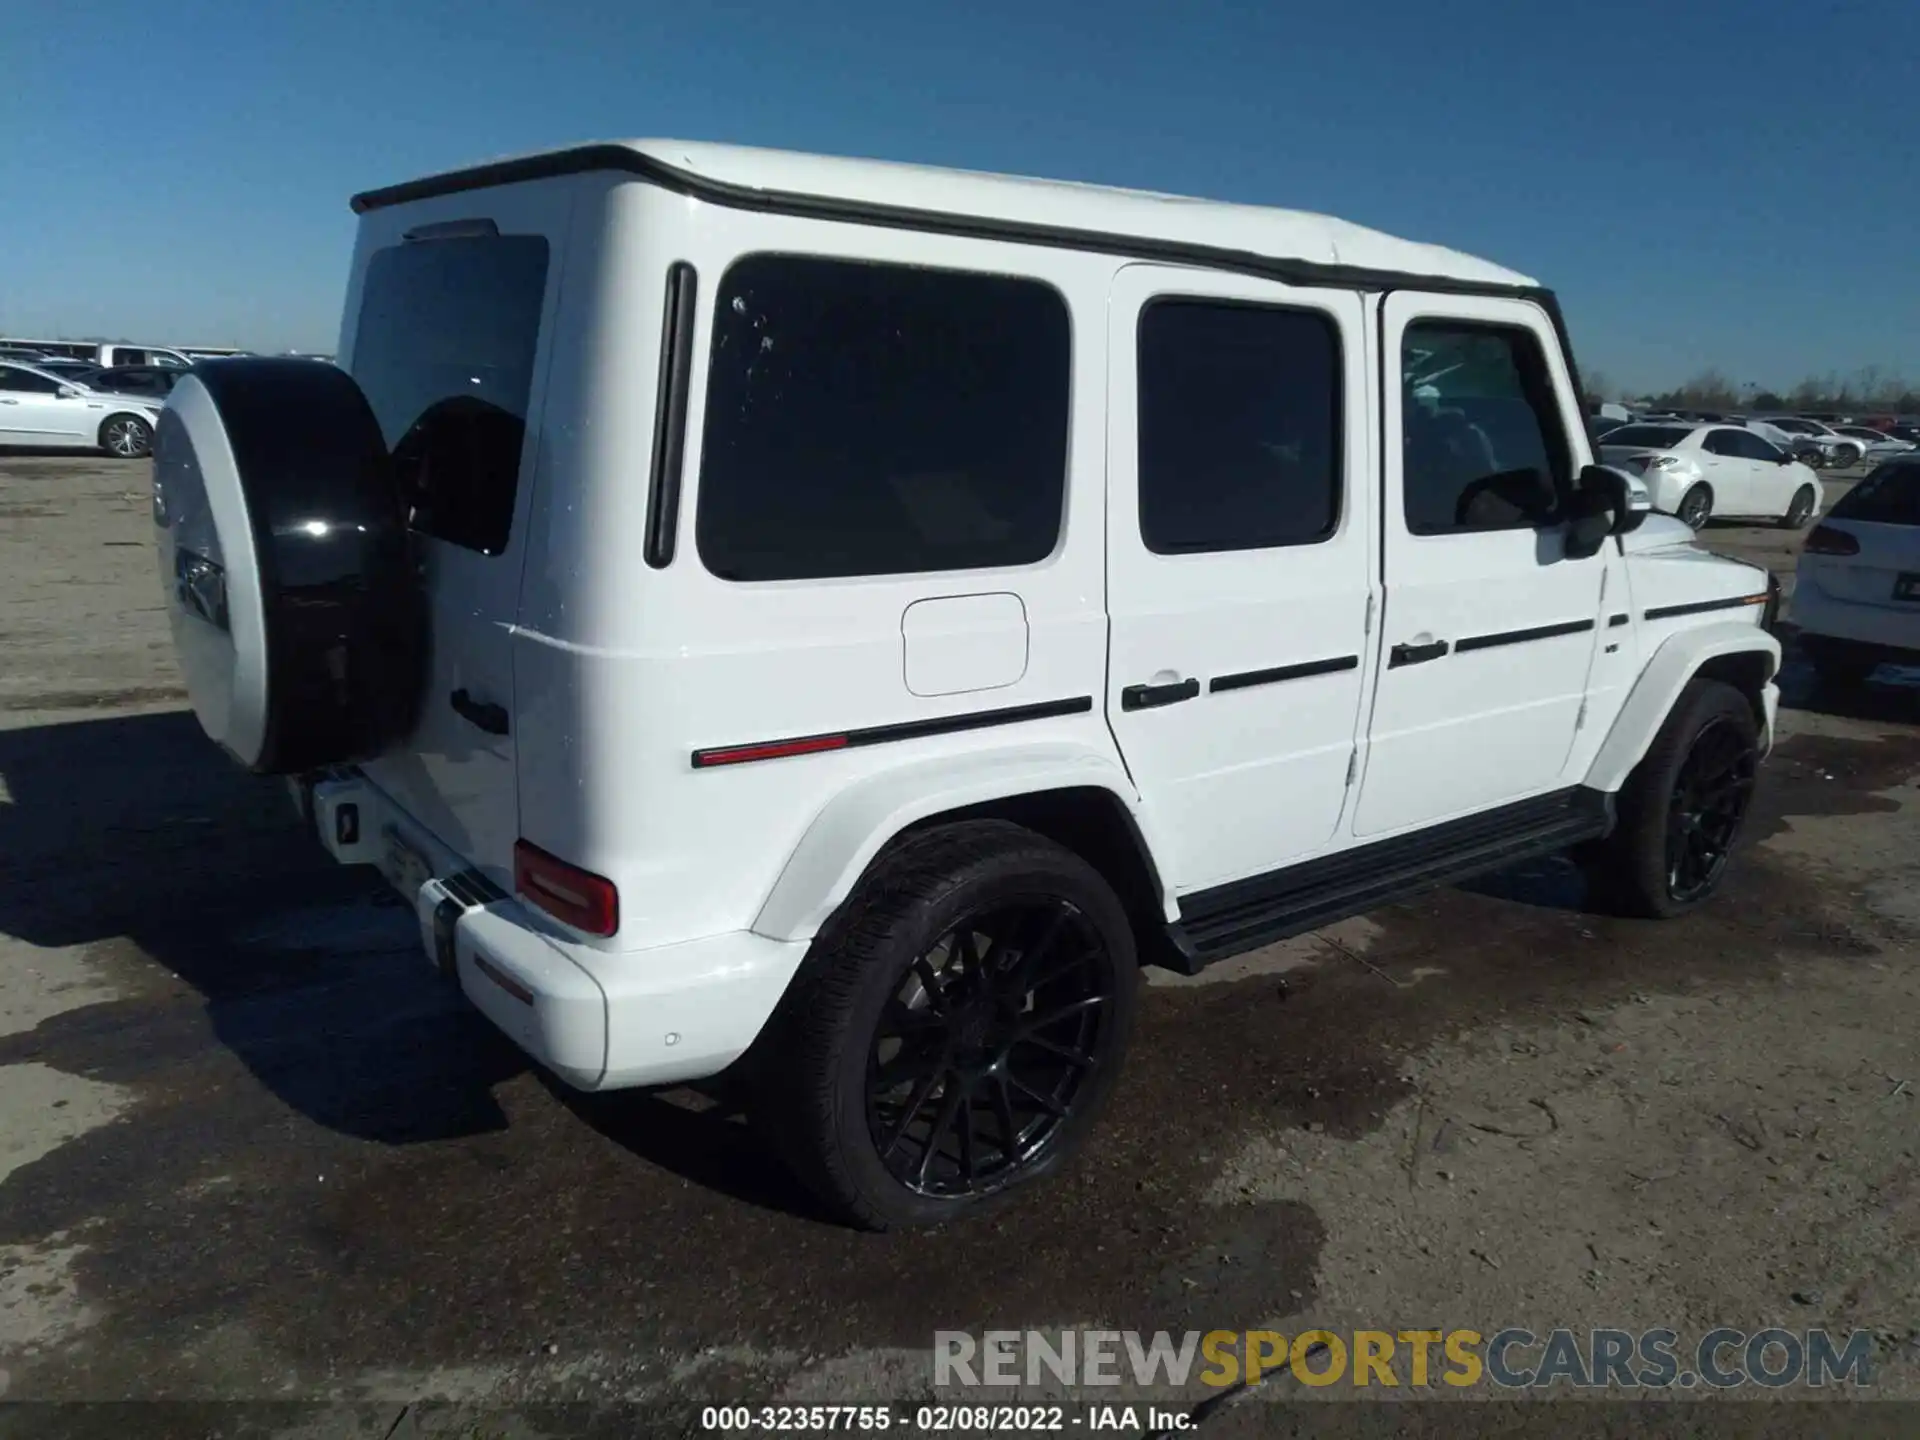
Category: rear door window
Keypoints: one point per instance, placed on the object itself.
(444, 350)
(874, 419)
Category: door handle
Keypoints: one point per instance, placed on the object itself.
(1145, 697)
(482, 714)
(1415, 654)
(9, 402)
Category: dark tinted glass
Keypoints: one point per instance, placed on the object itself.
(1889, 496)
(1483, 444)
(867, 419)
(1648, 437)
(1239, 426)
(444, 351)
(26, 382)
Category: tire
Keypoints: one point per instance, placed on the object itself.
(126, 436)
(883, 974)
(290, 578)
(1659, 865)
(1696, 506)
(1847, 456)
(1799, 509)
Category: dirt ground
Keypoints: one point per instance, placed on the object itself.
(251, 1150)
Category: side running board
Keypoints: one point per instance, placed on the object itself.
(1229, 919)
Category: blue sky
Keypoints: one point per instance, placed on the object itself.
(1718, 183)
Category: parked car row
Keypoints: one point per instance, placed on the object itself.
(1698, 471)
(39, 406)
(1785, 440)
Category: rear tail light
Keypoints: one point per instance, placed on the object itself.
(582, 899)
(1664, 462)
(1825, 540)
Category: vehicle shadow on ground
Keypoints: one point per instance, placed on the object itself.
(135, 834)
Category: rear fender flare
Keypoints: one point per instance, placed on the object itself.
(1676, 662)
(844, 837)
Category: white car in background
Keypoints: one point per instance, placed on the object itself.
(1697, 471)
(38, 407)
(1856, 600)
(1878, 446)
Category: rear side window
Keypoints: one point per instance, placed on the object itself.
(1649, 437)
(867, 419)
(1889, 496)
(1239, 426)
(444, 351)
(1482, 439)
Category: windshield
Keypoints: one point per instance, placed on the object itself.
(1647, 437)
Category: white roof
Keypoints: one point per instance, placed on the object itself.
(1272, 233)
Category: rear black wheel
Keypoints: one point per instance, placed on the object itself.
(1800, 510)
(954, 1033)
(1681, 811)
(127, 437)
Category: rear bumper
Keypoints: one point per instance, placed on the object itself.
(1818, 614)
(600, 1020)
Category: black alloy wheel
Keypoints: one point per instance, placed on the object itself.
(987, 1044)
(1709, 801)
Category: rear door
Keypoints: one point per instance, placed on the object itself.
(448, 335)
(1241, 561)
(1489, 625)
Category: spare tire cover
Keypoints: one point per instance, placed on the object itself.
(291, 580)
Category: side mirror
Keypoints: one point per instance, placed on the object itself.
(1608, 501)
(69, 392)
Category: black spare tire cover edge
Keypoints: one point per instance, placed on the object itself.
(341, 594)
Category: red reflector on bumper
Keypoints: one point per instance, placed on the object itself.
(584, 900)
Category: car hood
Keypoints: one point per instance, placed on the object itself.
(1668, 567)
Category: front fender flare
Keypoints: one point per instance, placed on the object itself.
(1677, 661)
(843, 839)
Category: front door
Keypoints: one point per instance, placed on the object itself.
(1489, 626)
(1241, 557)
(34, 412)
(1729, 470)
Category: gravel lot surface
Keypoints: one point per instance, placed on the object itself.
(250, 1149)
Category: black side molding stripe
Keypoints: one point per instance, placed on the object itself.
(1521, 637)
(670, 414)
(1247, 678)
(881, 734)
(1613, 621)
(1700, 607)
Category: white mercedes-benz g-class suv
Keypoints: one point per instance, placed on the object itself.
(838, 620)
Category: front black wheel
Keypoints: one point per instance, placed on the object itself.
(1696, 506)
(1681, 811)
(1800, 510)
(954, 1032)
